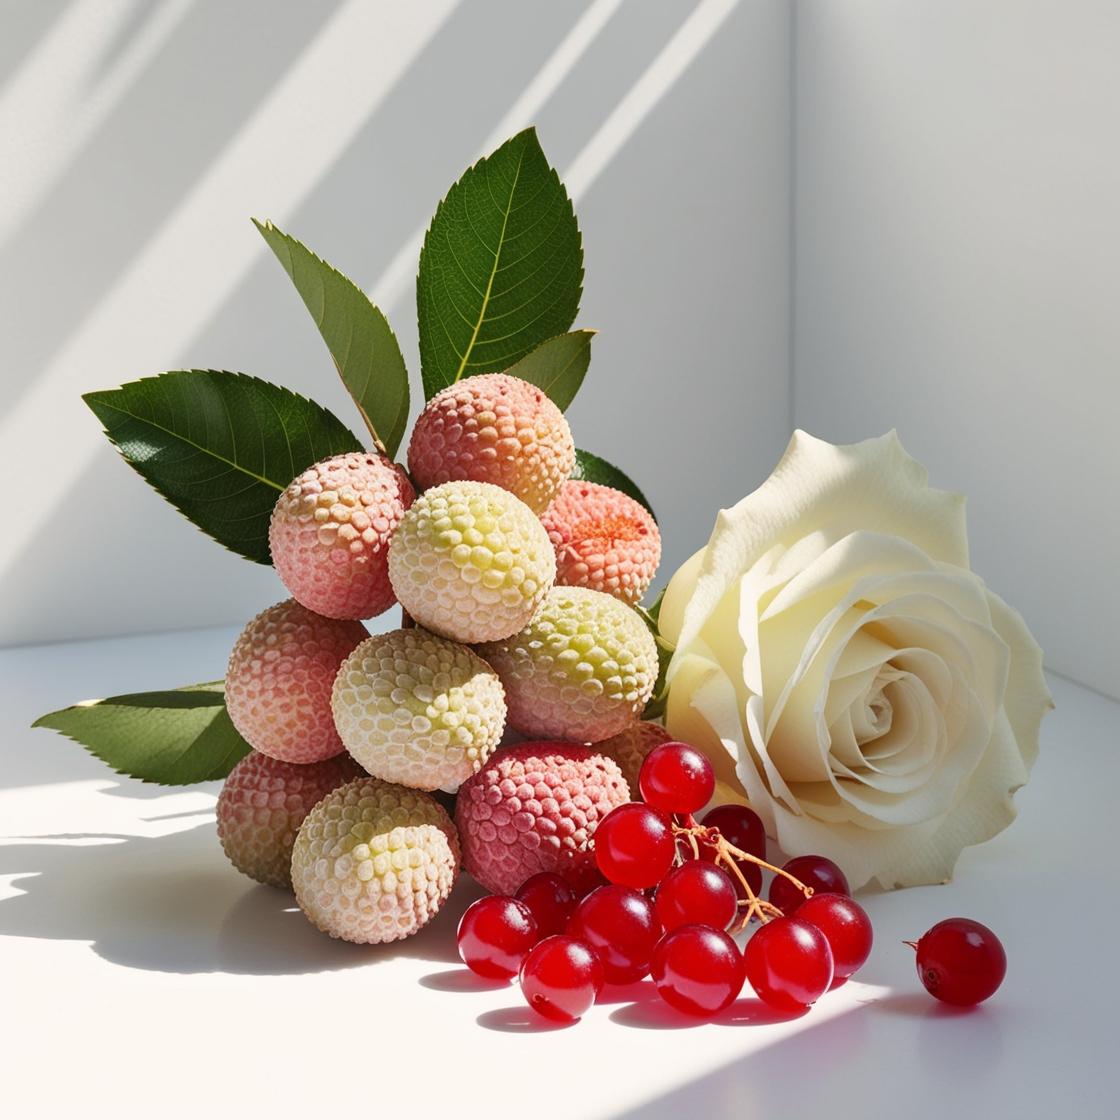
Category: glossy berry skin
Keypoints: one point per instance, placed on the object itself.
(742, 828)
(550, 900)
(697, 970)
(676, 778)
(814, 871)
(560, 978)
(634, 846)
(961, 962)
(788, 963)
(494, 935)
(621, 927)
(696, 893)
(846, 927)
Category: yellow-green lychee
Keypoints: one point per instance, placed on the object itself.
(417, 709)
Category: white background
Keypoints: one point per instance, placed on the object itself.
(844, 214)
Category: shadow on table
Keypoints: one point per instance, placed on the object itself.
(172, 904)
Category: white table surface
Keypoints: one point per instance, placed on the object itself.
(141, 976)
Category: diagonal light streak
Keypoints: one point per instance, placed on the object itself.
(50, 107)
(303, 126)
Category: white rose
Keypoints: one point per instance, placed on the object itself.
(848, 674)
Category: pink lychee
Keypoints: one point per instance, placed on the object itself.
(262, 804)
(535, 807)
(330, 533)
(493, 428)
(279, 681)
(603, 539)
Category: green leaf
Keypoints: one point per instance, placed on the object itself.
(365, 350)
(557, 366)
(220, 447)
(175, 738)
(594, 469)
(501, 269)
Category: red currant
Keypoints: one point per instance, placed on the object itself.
(788, 963)
(846, 927)
(620, 926)
(961, 962)
(494, 935)
(676, 778)
(560, 978)
(742, 828)
(697, 970)
(814, 871)
(634, 846)
(696, 892)
(550, 900)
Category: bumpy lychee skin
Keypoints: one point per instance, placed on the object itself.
(603, 539)
(498, 429)
(471, 562)
(629, 749)
(582, 669)
(279, 680)
(262, 804)
(330, 533)
(535, 807)
(418, 709)
(374, 862)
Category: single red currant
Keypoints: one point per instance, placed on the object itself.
(634, 846)
(788, 963)
(550, 900)
(697, 970)
(742, 828)
(676, 778)
(961, 961)
(494, 935)
(560, 978)
(696, 893)
(847, 929)
(814, 871)
(620, 926)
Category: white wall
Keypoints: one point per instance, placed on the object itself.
(136, 138)
(956, 227)
(958, 276)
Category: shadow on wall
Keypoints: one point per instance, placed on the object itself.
(25, 26)
(87, 228)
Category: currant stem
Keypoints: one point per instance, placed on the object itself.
(730, 856)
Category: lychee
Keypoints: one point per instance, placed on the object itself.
(603, 539)
(279, 679)
(330, 533)
(418, 709)
(629, 749)
(534, 808)
(262, 804)
(374, 861)
(493, 428)
(582, 669)
(470, 561)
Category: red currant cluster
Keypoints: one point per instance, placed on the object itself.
(676, 891)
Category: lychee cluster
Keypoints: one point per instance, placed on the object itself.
(517, 588)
